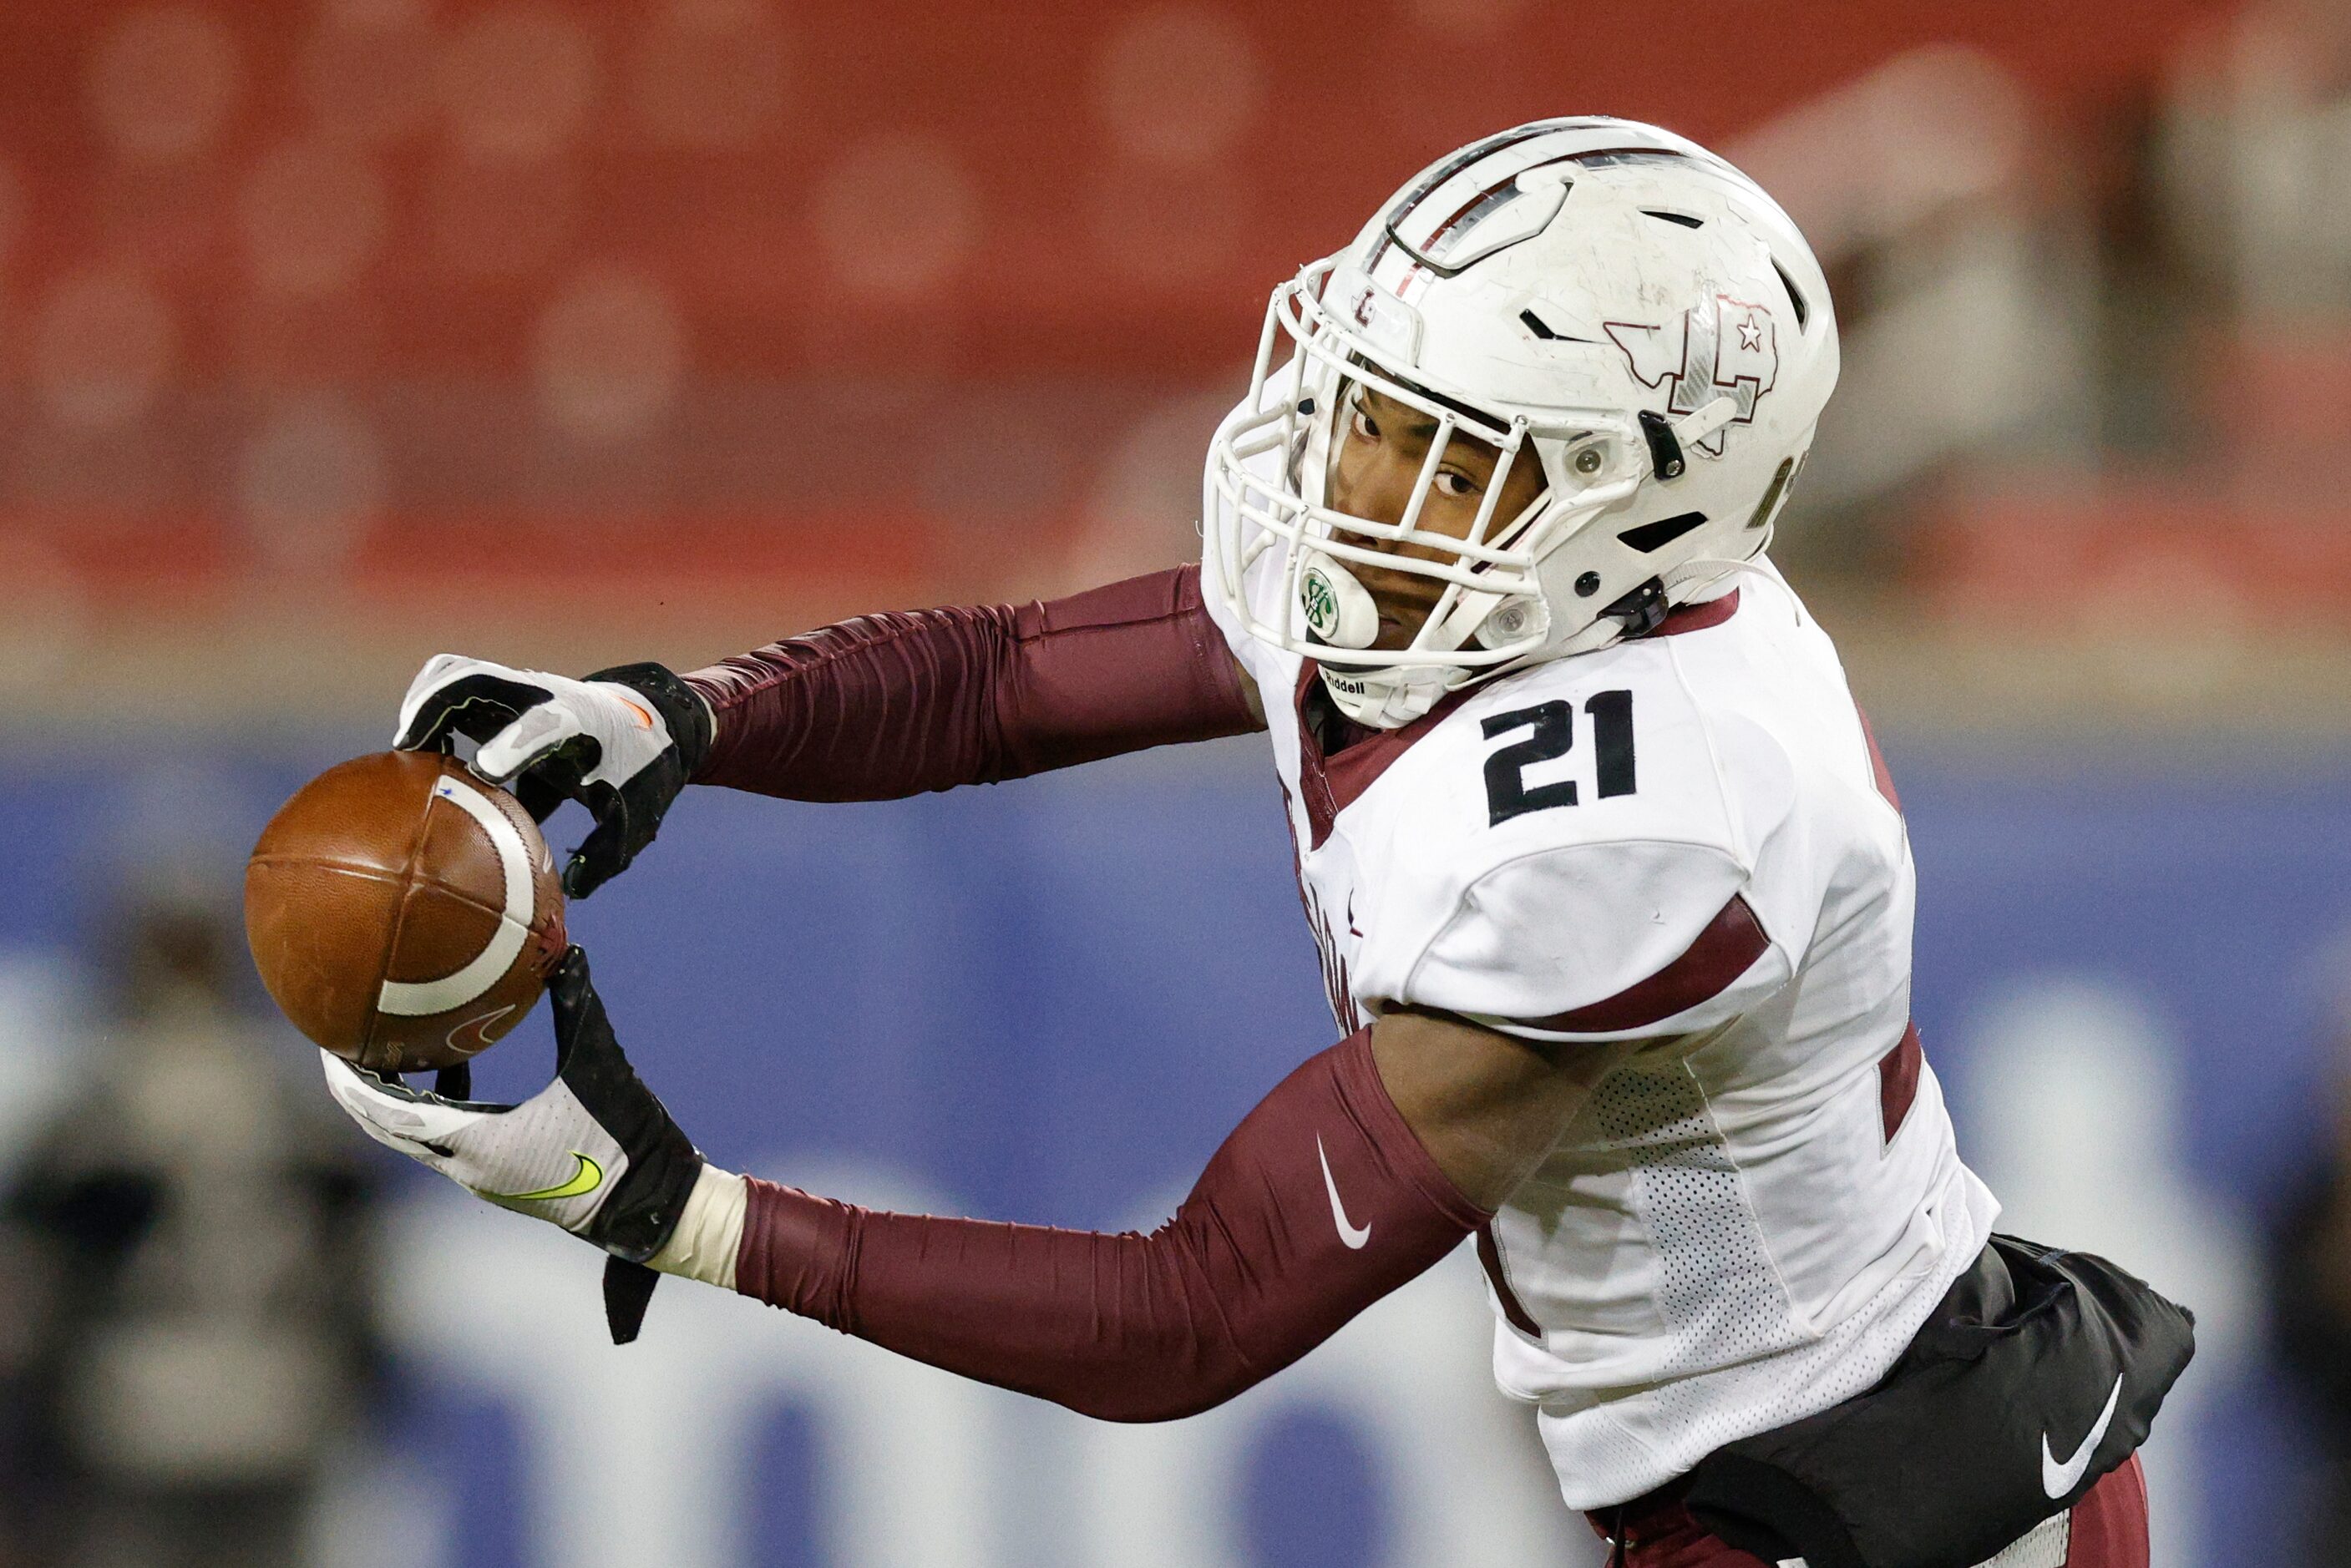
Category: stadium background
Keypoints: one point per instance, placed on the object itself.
(340, 332)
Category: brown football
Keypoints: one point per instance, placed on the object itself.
(402, 912)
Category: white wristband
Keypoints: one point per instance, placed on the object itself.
(709, 1231)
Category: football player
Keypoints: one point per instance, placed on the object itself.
(1612, 893)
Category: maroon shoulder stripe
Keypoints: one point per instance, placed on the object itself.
(1878, 768)
(1898, 1081)
(1330, 786)
(1726, 949)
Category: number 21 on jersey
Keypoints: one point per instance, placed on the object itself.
(1553, 726)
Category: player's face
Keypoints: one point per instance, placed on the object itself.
(1382, 446)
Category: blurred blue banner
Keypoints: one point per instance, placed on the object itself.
(1050, 1001)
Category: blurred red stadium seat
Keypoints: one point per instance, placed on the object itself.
(405, 285)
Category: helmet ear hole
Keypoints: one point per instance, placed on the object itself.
(1795, 296)
(1774, 495)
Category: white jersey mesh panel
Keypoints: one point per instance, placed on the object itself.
(1601, 1457)
(1721, 1299)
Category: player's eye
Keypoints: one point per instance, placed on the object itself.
(1362, 425)
(1453, 481)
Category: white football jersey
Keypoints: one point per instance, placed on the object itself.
(1682, 851)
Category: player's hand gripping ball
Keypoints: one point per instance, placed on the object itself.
(623, 744)
(403, 913)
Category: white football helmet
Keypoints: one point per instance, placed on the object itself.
(1600, 296)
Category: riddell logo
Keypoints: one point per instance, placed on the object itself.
(1724, 348)
(1364, 307)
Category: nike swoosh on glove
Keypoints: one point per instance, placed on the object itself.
(594, 1152)
(622, 743)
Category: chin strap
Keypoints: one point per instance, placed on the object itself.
(1707, 571)
(1640, 612)
(1392, 699)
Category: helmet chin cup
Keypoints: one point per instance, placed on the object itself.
(1387, 699)
(1339, 612)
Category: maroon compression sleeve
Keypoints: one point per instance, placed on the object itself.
(892, 705)
(1320, 1202)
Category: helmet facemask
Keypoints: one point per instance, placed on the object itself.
(1490, 612)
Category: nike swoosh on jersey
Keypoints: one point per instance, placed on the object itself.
(585, 1178)
(1352, 1236)
(2056, 1478)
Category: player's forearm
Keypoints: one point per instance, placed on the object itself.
(893, 705)
(1266, 1259)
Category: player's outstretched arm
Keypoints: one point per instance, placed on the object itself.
(874, 709)
(892, 705)
(1363, 1167)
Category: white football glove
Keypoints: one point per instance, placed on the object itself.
(594, 1152)
(622, 743)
